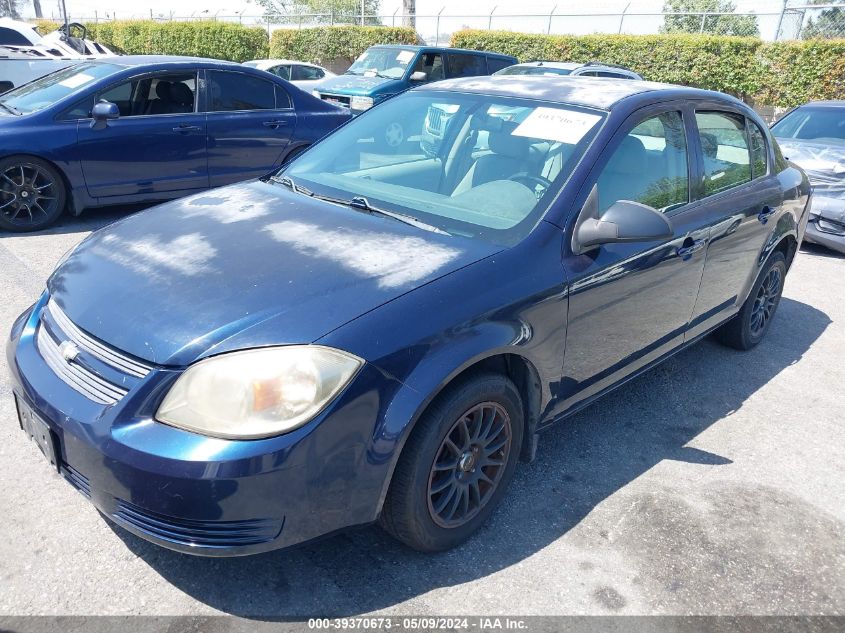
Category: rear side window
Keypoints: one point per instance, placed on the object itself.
(727, 162)
(306, 73)
(495, 64)
(465, 65)
(759, 155)
(232, 92)
(282, 98)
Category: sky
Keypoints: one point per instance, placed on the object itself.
(455, 13)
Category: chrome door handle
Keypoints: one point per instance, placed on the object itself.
(765, 214)
(690, 248)
(187, 128)
(274, 124)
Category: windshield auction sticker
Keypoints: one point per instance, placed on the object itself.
(74, 81)
(556, 124)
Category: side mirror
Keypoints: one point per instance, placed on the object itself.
(419, 76)
(103, 112)
(624, 221)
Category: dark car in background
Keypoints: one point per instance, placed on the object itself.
(138, 129)
(813, 136)
(370, 335)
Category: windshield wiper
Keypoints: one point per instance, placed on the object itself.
(11, 109)
(360, 202)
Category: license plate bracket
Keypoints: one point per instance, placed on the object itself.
(39, 431)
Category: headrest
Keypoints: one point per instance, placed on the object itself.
(163, 90)
(506, 144)
(630, 157)
(181, 94)
(709, 144)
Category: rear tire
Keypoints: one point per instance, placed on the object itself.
(32, 194)
(456, 465)
(749, 327)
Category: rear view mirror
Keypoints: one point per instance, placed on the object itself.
(419, 76)
(624, 221)
(102, 112)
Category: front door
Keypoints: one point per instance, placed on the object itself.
(157, 146)
(630, 303)
(250, 122)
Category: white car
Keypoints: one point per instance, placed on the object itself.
(25, 55)
(301, 74)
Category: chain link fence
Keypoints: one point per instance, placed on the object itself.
(770, 20)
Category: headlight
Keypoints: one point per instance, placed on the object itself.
(317, 94)
(257, 393)
(361, 103)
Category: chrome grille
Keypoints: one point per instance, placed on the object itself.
(105, 376)
(94, 347)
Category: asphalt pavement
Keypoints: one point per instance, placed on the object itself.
(713, 484)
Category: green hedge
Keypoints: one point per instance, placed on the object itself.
(776, 73)
(335, 44)
(205, 38)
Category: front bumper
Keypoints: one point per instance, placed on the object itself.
(827, 223)
(202, 495)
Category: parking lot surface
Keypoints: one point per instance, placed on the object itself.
(714, 484)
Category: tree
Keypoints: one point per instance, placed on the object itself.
(409, 11)
(712, 24)
(828, 24)
(9, 9)
(36, 5)
(322, 11)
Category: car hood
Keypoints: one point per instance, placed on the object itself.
(358, 85)
(248, 265)
(825, 167)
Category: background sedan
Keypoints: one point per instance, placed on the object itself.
(300, 74)
(137, 129)
(813, 135)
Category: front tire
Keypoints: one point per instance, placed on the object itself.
(456, 465)
(749, 327)
(32, 194)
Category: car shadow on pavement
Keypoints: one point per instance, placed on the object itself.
(88, 221)
(580, 463)
(821, 251)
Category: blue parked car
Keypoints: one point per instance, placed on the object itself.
(136, 129)
(379, 336)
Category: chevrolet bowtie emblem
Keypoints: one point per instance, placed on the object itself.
(68, 350)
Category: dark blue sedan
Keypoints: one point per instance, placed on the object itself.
(136, 129)
(380, 333)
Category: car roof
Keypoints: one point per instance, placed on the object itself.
(141, 60)
(823, 104)
(591, 92)
(269, 62)
(561, 65)
(447, 49)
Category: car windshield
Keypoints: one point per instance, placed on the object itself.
(532, 70)
(44, 92)
(472, 165)
(382, 62)
(812, 124)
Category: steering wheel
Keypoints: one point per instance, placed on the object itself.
(533, 182)
(71, 25)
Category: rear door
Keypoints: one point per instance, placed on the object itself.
(250, 122)
(741, 198)
(157, 145)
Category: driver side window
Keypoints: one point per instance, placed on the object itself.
(431, 64)
(650, 166)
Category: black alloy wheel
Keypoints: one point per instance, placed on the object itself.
(32, 194)
(469, 464)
